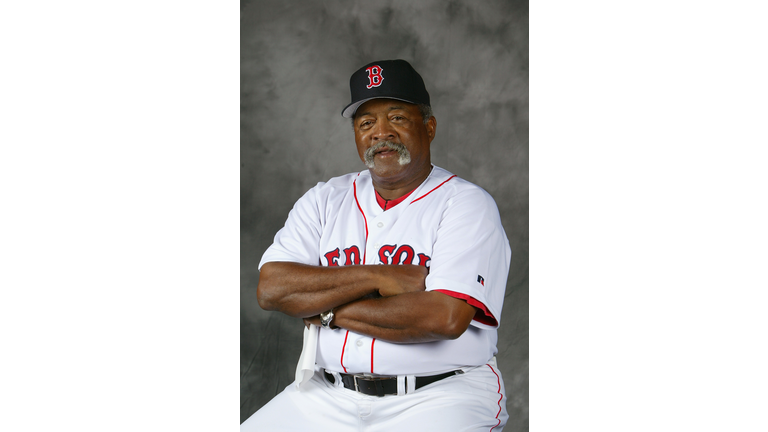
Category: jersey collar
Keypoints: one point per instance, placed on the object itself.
(388, 204)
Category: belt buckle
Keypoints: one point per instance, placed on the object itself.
(355, 377)
(369, 378)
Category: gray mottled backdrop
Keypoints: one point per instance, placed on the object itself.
(296, 59)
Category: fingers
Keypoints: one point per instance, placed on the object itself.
(312, 320)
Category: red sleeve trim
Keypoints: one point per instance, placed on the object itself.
(482, 315)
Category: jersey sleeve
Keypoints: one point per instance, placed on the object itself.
(471, 256)
(299, 240)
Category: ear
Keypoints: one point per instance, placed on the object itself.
(431, 128)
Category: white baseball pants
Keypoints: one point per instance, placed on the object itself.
(474, 401)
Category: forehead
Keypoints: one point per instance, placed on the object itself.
(385, 105)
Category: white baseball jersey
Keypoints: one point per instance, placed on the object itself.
(447, 224)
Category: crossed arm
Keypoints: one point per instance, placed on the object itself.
(388, 302)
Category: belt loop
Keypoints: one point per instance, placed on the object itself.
(401, 385)
(410, 383)
(336, 379)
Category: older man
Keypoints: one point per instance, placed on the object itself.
(399, 273)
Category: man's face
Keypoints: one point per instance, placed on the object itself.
(382, 121)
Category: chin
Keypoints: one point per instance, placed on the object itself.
(387, 171)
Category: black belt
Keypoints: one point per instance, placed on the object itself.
(384, 385)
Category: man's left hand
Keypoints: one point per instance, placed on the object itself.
(313, 320)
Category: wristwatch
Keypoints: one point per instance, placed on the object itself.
(326, 318)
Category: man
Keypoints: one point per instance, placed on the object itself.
(399, 273)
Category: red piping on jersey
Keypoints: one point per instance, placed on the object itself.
(482, 306)
(433, 189)
(365, 249)
(388, 204)
(372, 342)
(365, 246)
(342, 352)
(501, 396)
(482, 315)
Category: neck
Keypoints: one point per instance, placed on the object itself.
(394, 190)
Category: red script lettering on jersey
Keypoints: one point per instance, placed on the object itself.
(388, 254)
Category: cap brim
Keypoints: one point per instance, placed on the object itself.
(350, 110)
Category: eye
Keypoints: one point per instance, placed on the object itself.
(365, 124)
(397, 118)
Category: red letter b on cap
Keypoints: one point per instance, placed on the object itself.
(374, 76)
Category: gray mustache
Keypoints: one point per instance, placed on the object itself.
(402, 151)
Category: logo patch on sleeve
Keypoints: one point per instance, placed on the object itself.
(481, 280)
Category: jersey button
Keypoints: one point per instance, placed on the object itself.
(380, 224)
(359, 343)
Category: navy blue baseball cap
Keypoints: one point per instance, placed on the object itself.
(389, 79)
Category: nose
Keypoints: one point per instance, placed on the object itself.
(383, 131)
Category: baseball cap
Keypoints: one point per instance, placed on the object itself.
(389, 79)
